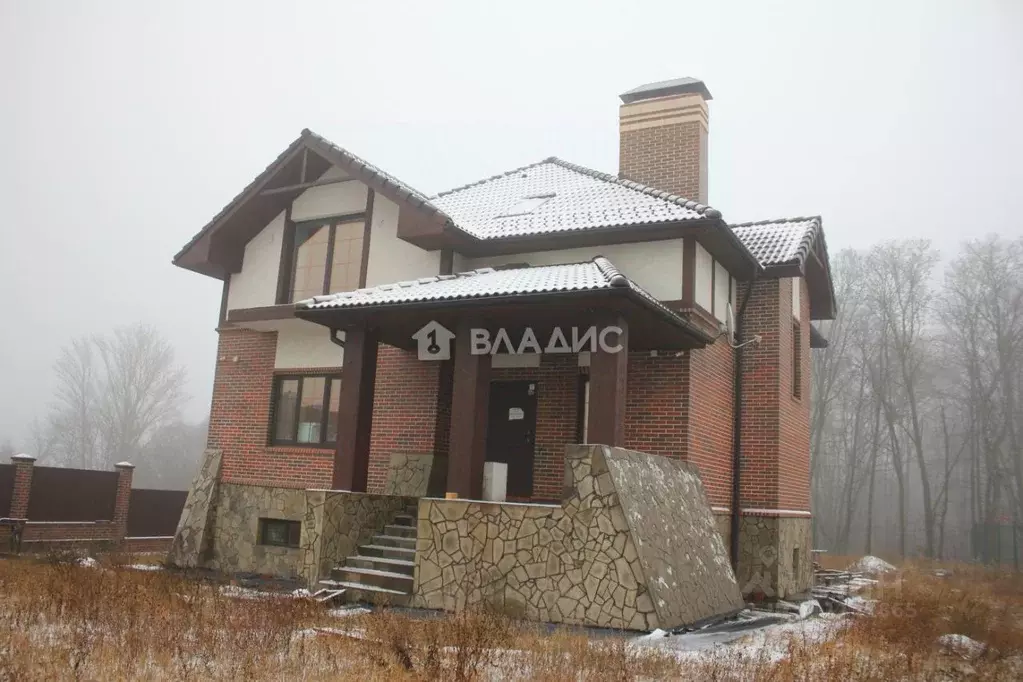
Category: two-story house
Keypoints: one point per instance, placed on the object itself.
(337, 275)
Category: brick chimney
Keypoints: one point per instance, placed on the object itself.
(663, 136)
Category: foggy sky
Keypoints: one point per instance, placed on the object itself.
(125, 126)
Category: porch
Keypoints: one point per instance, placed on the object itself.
(494, 334)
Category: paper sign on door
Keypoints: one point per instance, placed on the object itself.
(515, 414)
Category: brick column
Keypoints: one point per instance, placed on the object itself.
(125, 471)
(23, 465)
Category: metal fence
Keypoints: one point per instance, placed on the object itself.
(154, 513)
(72, 495)
(6, 488)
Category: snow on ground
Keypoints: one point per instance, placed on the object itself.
(871, 565)
(767, 642)
(145, 567)
(962, 646)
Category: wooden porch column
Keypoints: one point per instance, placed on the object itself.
(355, 410)
(606, 423)
(469, 401)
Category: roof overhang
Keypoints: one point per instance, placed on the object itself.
(651, 327)
(712, 233)
(218, 248)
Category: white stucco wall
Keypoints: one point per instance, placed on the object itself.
(704, 294)
(256, 284)
(655, 266)
(722, 281)
(392, 259)
(330, 200)
(304, 345)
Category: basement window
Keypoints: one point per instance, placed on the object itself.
(527, 205)
(279, 532)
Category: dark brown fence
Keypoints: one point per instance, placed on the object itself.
(154, 513)
(72, 495)
(6, 488)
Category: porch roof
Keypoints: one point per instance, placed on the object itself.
(512, 297)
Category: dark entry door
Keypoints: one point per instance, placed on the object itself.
(511, 432)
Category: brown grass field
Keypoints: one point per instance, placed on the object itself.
(61, 621)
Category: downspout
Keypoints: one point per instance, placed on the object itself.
(737, 426)
(334, 339)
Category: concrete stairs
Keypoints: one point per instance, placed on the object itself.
(382, 569)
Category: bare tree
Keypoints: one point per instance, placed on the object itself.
(113, 393)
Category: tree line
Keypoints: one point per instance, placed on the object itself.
(915, 420)
(118, 397)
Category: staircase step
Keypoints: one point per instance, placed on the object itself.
(388, 580)
(388, 551)
(382, 563)
(394, 541)
(405, 520)
(356, 592)
(400, 531)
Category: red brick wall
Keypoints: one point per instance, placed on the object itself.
(794, 413)
(405, 414)
(666, 157)
(711, 418)
(776, 426)
(657, 404)
(240, 418)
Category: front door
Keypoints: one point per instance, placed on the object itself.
(511, 432)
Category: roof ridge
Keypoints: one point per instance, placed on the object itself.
(706, 211)
(774, 221)
(491, 178)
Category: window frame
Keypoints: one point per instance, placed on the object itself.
(291, 526)
(289, 250)
(275, 394)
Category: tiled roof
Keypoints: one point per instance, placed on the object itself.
(481, 283)
(779, 242)
(354, 163)
(570, 197)
(595, 275)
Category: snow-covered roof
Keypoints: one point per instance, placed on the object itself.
(781, 241)
(593, 275)
(555, 196)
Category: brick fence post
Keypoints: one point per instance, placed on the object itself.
(23, 465)
(125, 471)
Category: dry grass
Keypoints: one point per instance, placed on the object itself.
(61, 621)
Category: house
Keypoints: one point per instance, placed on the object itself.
(367, 369)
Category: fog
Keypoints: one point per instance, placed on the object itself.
(125, 126)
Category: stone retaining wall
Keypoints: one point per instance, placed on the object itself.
(416, 475)
(583, 562)
(336, 522)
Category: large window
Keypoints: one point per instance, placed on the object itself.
(326, 257)
(305, 410)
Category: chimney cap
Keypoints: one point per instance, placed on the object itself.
(675, 86)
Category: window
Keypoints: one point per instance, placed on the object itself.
(582, 417)
(305, 410)
(704, 290)
(279, 532)
(797, 365)
(326, 257)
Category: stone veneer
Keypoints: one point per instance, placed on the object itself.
(236, 545)
(335, 523)
(632, 546)
(193, 537)
(416, 475)
(775, 561)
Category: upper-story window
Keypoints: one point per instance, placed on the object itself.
(326, 257)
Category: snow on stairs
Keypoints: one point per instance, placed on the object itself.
(382, 570)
